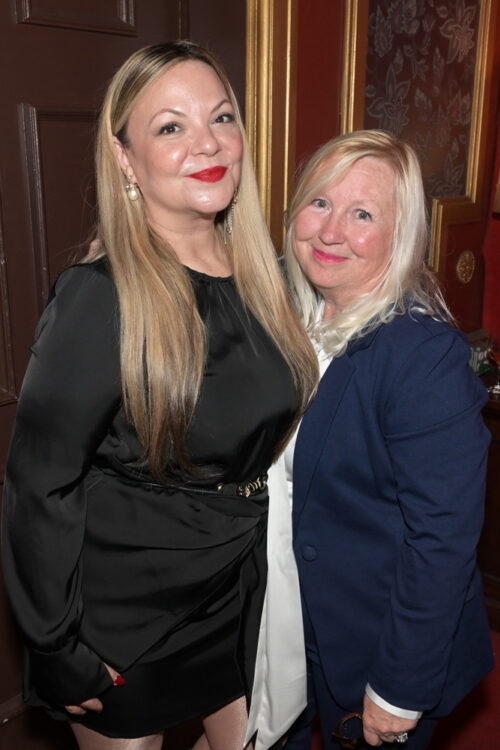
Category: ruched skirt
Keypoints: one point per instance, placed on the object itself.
(173, 583)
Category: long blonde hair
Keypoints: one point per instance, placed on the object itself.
(406, 283)
(163, 342)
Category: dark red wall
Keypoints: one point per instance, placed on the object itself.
(491, 252)
(491, 247)
(319, 75)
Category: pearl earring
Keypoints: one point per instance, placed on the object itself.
(132, 192)
(131, 188)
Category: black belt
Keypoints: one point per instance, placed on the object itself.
(259, 484)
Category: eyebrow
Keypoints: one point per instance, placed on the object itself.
(180, 113)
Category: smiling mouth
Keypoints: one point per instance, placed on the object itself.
(214, 174)
(328, 257)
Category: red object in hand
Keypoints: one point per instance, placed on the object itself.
(119, 681)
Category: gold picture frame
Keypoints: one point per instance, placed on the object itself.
(449, 210)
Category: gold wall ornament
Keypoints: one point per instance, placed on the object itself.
(466, 265)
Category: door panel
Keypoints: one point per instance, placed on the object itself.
(89, 15)
(53, 137)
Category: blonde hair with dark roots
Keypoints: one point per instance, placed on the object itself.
(406, 282)
(163, 343)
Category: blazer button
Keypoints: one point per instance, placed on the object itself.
(309, 553)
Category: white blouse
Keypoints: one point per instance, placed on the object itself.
(279, 692)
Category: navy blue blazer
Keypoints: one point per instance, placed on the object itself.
(389, 479)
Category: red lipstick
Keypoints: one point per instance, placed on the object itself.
(328, 257)
(214, 174)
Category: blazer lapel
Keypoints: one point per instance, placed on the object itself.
(318, 419)
(315, 426)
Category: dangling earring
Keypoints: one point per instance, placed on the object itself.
(131, 190)
(229, 218)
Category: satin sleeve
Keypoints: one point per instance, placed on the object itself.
(69, 396)
(438, 445)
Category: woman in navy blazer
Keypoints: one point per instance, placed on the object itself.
(389, 462)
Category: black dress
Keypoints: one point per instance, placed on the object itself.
(102, 564)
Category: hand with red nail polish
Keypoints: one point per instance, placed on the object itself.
(94, 704)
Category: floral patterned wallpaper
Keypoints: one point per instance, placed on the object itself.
(420, 81)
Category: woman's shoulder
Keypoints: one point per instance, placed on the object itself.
(416, 346)
(424, 373)
(415, 336)
(83, 295)
(414, 328)
(97, 272)
(82, 281)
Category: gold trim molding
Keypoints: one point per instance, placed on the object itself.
(354, 76)
(271, 102)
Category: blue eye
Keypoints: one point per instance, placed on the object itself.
(169, 128)
(319, 203)
(362, 214)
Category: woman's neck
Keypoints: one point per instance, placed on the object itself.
(198, 246)
(329, 310)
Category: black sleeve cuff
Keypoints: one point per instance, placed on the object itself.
(68, 676)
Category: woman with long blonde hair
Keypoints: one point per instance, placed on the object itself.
(167, 373)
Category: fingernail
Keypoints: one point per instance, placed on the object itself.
(118, 681)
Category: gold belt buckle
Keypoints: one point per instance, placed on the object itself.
(245, 490)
